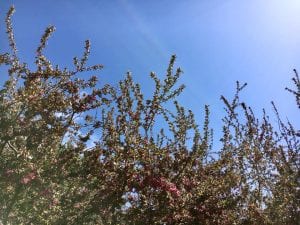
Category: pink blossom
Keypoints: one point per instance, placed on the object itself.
(163, 184)
(77, 205)
(9, 172)
(28, 178)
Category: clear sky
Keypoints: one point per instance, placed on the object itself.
(217, 42)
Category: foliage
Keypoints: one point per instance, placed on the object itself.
(75, 151)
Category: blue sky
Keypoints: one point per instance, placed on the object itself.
(216, 41)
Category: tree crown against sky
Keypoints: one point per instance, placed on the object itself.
(217, 42)
(134, 174)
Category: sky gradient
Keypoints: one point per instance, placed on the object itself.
(216, 41)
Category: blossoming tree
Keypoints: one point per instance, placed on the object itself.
(77, 151)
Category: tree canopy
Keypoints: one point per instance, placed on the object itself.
(77, 151)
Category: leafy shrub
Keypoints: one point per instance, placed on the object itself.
(75, 151)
